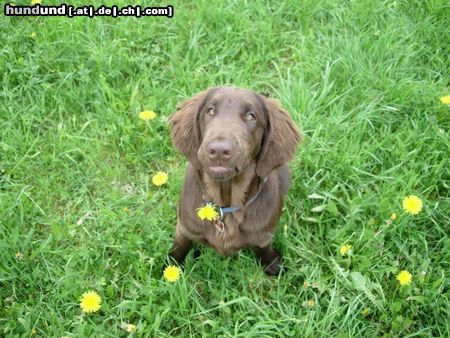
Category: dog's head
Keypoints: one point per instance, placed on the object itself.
(224, 129)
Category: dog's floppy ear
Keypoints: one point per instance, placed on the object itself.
(185, 127)
(280, 139)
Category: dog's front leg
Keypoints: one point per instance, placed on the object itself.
(180, 248)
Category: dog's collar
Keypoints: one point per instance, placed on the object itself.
(218, 222)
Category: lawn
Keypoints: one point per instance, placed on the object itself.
(78, 211)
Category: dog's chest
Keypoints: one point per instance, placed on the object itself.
(228, 240)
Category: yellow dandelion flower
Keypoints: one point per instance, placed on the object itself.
(35, 2)
(445, 99)
(147, 115)
(34, 35)
(404, 277)
(393, 216)
(131, 328)
(128, 327)
(345, 249)
(311, 303)
(208, 212)
(160, 178)
(90, 302)
(33, 331)
(172, 273)
(412, 205)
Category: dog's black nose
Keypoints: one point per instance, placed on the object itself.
(220, 150)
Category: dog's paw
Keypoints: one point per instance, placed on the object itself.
(273, 269)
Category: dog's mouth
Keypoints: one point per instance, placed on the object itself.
(220, 173)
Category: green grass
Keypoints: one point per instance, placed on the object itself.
(362, 79)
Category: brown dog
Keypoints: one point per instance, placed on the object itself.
(238, 143)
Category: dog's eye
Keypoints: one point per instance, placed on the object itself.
(250, 116)
(210, 111)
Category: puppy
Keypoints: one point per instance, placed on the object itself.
(238, 143)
